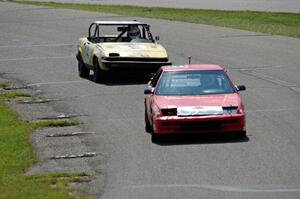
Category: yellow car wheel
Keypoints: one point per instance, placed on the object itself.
(83, 71)
(98, 74)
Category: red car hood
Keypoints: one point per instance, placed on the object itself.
(224, 100)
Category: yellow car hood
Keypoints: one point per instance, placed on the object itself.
(151, 50)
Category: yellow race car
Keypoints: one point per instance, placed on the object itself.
(119, 47)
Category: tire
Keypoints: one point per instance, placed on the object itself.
(155, 137)
(98, 74)
(148, 127)
(240, 135)
(83, 71)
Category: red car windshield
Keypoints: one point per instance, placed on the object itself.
(194, 83)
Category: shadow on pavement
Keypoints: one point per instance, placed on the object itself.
(123, 79)
(209, 138)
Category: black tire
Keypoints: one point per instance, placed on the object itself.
(155, 137)
(148, 127)
(83, 71)
(98, 73)
(240, 135)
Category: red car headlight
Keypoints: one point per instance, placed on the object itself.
(169, 111)
(230, 110)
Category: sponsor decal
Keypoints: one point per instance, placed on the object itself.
(199, 110)
(133, 47)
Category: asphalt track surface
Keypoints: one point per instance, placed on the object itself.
(37, 46)
(257, 5)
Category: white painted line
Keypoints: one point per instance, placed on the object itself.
(39, 101)
(43, 83)
(269, 78)
(58, 82)
(69, 134)
(82, 133)
(37, 58)
(15, 87)
(70, 156)
(35, 45)
(59, 117)
(247, 189)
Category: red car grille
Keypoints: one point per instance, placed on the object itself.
(199, 126)
(191, 126)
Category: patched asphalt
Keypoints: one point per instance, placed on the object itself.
(57, 149)
(38, 46)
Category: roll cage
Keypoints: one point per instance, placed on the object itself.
(122, 27)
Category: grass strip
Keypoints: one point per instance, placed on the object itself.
(274, 23)
(17, 155)
(3, 85)
(13, 95)
(54, 123)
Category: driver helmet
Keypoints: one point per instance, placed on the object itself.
(134, 32)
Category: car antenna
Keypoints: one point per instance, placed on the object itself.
(190, 60)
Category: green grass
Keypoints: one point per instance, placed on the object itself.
(3, 85)
(17, 155)
(286, 24)
(54, 123)
(13, 95)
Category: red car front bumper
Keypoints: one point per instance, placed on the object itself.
(199, 124)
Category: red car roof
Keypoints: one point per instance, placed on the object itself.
(192, 67)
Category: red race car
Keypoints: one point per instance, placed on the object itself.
(193, 98)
